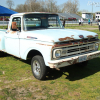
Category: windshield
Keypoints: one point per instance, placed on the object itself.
(41, 21)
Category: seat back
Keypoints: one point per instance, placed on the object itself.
(14, 26)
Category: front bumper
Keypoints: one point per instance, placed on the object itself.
(73, 60)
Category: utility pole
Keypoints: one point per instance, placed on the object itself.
(93, 4)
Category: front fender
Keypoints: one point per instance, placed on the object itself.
(44, 50)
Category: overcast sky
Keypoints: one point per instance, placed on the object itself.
(84, 4)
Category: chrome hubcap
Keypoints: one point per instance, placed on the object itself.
(36, 68)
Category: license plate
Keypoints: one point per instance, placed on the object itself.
(82, 58)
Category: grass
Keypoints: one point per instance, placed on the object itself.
(70, 83)
(3, 27)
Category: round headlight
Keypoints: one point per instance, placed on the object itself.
(58, 53)
(96, 46)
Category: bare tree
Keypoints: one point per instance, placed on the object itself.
(71, 6)
(10, 3)
(20, 8)
(51, 6)
(38, 5)
(75, 6)
(32, 5)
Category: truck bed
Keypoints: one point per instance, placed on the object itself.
(2, 44)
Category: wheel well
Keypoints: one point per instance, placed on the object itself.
(33, 53)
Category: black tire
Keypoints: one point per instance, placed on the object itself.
(38, 67)
(82, 64)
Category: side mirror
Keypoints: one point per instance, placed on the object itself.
(14, 26)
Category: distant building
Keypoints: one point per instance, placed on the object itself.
(87, 15)
(97, 15)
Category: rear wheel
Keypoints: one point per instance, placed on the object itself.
(38, 67)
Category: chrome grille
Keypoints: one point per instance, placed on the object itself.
(71, 48)
(78, 49)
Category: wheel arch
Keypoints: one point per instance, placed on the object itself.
(33, 53)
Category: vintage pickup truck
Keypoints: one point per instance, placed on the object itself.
(41, 37)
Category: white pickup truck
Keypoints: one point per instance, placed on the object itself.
(41, 37)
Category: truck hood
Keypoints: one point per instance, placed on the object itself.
(59, 35)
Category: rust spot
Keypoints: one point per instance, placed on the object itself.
(73, 61)
(89, 36)
(66, 38)
(96, 35)
(8, 31)
(61, 45)
(43, 44)
(52, 40)
(76, 43)
(0, 39)
(81, 42)
(12, 32)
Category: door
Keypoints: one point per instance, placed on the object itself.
(12, 38)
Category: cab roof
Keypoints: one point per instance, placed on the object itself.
(21, 14)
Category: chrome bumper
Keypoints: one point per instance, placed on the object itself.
(73, 60)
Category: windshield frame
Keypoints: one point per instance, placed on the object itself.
(41, 15)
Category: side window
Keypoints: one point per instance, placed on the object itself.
(18, 22)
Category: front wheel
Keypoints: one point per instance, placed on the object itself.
(38, 67)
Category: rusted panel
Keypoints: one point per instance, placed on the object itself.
(66, 38)
(61, 45)
(53, 65)
(89, 36)
(81, 42)
(74, 43)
